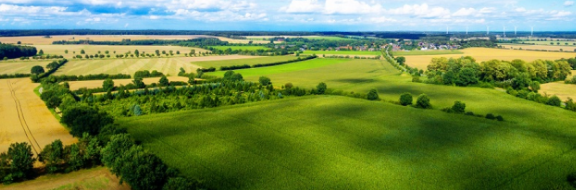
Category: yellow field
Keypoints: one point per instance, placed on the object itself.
(560, 89)
(87, 179)
(40, 40)
(485, 54)
(540, 47)
(168, 66)
(74, 50)
(21, 67)
(75, 85)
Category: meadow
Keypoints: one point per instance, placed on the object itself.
(427, 52)
(286, 68)
(485, 54)
(249, 61)
(351, 53)
(251, 48)
(74, 50)
(168, 66)
(331, 142)
(20, 67)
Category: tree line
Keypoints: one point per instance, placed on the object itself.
(245, 66)
(8, 51)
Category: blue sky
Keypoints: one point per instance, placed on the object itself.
(290, 15)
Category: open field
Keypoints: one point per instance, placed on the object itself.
(74, 50)
(25, 117)
(562, 43)
(485, 54)
(286, 68)
(41, 40)
(327, 142)
(249, 60)
(351, 53)
(427, 52)
(168, 66)
(308, 37)
(251, 48)
(23, 67)
(560, 89)
(89, 179)
(75, 85)
(540, 47)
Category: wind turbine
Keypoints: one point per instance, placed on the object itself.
(446, 30)
(487, 30)
(504, 31)
(466, 30)
(515, 30)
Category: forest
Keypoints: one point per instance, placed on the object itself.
(15, 51)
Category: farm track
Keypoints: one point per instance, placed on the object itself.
(23, 122)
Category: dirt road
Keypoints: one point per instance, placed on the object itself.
(25, 118)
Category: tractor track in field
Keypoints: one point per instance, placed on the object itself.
(23, 122)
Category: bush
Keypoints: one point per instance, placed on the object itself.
(499, 118)
(554, 101)
(321, 88)
(459, 107)
(264, 81)
(490, 116)
(406, 99)
(36, 70)
(373, 95)
(84, 119)
(423, 102)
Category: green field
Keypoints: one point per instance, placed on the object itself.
(351, 53)
(286, 68)
(253, 61)
(252, 48)
(428, 52)
(308, 37)
(328, 142)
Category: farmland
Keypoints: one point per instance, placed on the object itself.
(249, 61)
(91, 179)
(485, 54)
(169, 66)
(540, 47)
(74, 50)
(75, 85)
(22, 67)
(428, 52)
(310, 143)
(562, 43)
(307, 37)
(41, 40)
(252, 48)
(351, 53)
(286, 68)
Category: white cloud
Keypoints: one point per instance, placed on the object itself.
(302, 6)
(350, 7)
(568, 3)
(422, 11)
(465, 12)
(382, 20)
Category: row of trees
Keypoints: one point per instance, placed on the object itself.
(37, 72)
(245, 66)
(9, 51)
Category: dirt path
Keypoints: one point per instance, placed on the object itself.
(25, 117)
(91, 179)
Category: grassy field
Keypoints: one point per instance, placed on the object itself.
(539, 47)
(485, 54)
(74, 50)
(252, 61)
(327, 142)
(169, 66)
(23, 67)
(428, 52)
(251, 48)
(286, 68)
(351, 53)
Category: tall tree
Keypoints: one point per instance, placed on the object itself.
(37, 70)
(108, 85)
(22, 161)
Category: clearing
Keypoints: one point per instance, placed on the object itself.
(25, 117)
(75, 85)
(21, 67)
(74, 50)
(331, 142)
(285, 68)
(248, 60)
(98, 178)
(485, 54)
(351, 53)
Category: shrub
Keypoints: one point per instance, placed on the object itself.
(36, 70)
(459, 107)
(490, 116)
(499, 118)
(416, 79)
(469, 113)
(373, 95)
(570, 105)
(554, 101)
(423, 102)
(321, 88)
(406, 99)
(164, 81)
(264, 81)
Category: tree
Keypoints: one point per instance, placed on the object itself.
(157, 52)
(22, 161)
(108, 85)
(467, 76)
(321, 88)
(66, 51)
(19, 42)
(406, 99)
(178, 183)
(423, 102)
(191, 79)
(53, 155)
(75, 158)
(137, 111)
(41, 52)
(137, 53)
(401, 60)
(192, 52)
(141, 169)
(535, 86)
(264, 81)
(84, 119)
(164, 81)
(459, 107)
(82, 52)
(138, 81)
(36, 70)
(554, 101)
(449, 77)
(177, 52)
(53, 102)
(237, 77)
(373, 95)
(52, 65)
(5, 59)
(115, 149)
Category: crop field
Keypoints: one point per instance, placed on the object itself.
(485, 54)
(75, 85)
(560, 89)
(351, 53)
(252, 48)
(539, 47)
(308, 37)
(286, 68)
(562, 43)
(168, 66)
(41, 40)
(74, 50)
(249, 61)
(427, 52)
(326, 142)
(90, 179)
(22, 67)
(25, 117)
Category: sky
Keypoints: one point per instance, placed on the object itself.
(291, 15)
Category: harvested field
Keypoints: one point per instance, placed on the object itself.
(75, 85)
(168, 66)
(560, 89)
(251, 48)
(23, 67)
(351, 53)
(25, 117)
(41, 40)
(485, 54)
(74, 50)
(250, 61)
(217, 58)
(90, 179)
(540, 47)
